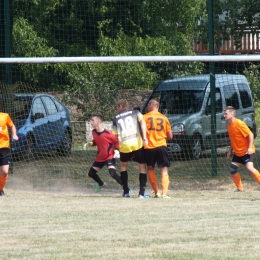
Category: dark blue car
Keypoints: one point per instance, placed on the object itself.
(43, 125)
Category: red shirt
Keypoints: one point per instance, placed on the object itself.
(106, 142)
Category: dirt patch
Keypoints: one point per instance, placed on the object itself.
(52, 173)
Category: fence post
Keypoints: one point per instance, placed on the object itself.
(212, 90)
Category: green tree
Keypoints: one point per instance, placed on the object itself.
(252, 74)
(232, 17)
(103, 28)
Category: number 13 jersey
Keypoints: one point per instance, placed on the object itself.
(127, 128)
(157, 126)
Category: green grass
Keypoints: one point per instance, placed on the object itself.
(257, 118)
(194, 224)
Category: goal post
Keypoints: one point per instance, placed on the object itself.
(185, 99)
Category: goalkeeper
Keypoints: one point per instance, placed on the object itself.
(108, 146)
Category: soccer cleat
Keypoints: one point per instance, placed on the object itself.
(98, 188)
(158, 195)
(164, 196)
(237, 190)
(127, 195)
(145, 196)
(2, 193)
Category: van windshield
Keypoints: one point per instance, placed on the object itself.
(179, 101)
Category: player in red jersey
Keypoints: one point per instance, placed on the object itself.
(108, 150)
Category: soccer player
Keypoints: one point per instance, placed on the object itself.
(130, 129)
(158, 132)
(5, 154)
(242, 143)
(108, 146)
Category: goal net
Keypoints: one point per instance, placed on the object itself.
(61, 62)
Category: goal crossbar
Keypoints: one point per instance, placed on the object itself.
(203, 58)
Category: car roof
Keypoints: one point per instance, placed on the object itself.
(197, 82)
(31, 95)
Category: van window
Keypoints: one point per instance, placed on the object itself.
(231, 96)
(181, 101)
(218, 102)
(244, 95)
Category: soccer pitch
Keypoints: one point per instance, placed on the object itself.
(196, 223)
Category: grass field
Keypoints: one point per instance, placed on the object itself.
(51, 212)
(202, 220)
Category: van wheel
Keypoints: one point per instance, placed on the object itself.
(195, 147)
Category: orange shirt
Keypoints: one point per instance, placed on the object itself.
(5, 122)
(157, 125)
(238, 133)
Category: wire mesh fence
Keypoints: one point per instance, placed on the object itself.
(51, 103)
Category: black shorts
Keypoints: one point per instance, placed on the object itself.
(137, 156)
(157, 155)
(243, 159)
(100, 165)
(5, 156)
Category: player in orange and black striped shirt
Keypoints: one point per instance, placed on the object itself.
(5, 122)
(158, 131)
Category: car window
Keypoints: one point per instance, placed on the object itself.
(244, 95)
(51, 107)
(218, 102)
(59, 106)
(38, 107)
(231, 96)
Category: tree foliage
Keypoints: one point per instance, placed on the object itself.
(232, 17)
(99, 28)
(103, 28)
(252, 74)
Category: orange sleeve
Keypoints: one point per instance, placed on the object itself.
(9, 121)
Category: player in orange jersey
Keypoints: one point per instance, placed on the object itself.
(5, 122)
(242, 143)
(158, 131)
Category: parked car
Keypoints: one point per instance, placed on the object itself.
(186, 101)
(43, 125)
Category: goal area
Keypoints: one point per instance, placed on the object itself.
(200, 141)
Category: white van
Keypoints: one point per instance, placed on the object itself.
(186, 102)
